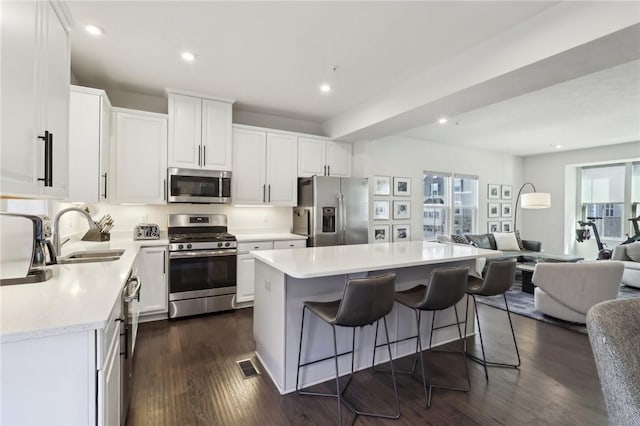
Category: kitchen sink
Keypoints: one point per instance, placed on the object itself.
(88, 256)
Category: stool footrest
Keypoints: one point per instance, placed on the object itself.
(479, 360)
(324, 359)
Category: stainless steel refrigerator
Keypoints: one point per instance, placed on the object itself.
(332, 210)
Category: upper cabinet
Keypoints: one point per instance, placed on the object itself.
(323, 157)
(89, 121)
(35, 75)
(199, 133)
(264, 167)
(140, 154)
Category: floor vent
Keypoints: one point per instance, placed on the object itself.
(247, 368)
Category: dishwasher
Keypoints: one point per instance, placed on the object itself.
(128, 333)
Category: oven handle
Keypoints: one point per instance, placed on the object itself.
(135, 294)
(202, 253)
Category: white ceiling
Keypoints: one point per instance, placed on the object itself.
(272, 56)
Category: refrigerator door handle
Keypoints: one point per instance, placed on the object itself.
(342, 219)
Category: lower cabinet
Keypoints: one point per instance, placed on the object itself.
(152, 271)
(246, 277)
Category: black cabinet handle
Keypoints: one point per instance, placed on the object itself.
(199, 155)
(204, 155)
(48, 158)
(325, 169)
(269, 189)
(328, 170)
(105, 184)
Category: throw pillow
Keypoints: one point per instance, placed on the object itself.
(633, 251)
(519, 239)
(506, 241)
(480, 241)
(460, 239)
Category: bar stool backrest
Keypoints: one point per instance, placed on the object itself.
(445, 288)
(499, 278)
(366, 300)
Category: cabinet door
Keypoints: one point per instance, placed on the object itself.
(109, 384)
(339, 159)
(216, 135)
(245, 279)
(249, 154)
(141, 157)
(20, 144)
(105, 150)
(58, 70)
(282, 169)
(152, 270)
(185, 131)
(84, 147)
(311, 157)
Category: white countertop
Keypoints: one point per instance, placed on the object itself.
(337, 260)
(77, 297)
(271, 236)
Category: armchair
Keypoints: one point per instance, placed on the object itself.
(568, 290)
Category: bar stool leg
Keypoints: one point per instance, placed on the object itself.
(304, 309)
(427, 392)
(464, 355)
(513, 334)
(393, 374)
(335, 358)
(484, 358)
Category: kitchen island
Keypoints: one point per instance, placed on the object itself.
(285, 279)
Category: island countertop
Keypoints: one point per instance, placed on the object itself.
(313, 262)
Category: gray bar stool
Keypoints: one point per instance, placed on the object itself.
(365, 301)
(498, 279)
(444, 289)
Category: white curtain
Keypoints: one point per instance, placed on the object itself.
(603, 184)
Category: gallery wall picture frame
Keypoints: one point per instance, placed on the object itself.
(380, 209)
(380, 234)
(507, 192)
(402, 186)
(493, 191)
(505, 209)
(401, 209)
(381, 185)
(402, 232)
(507, 226)
(493, 209)
(493, 226)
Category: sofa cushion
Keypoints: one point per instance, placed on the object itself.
(519, 238)
(633, 251)
(460, 239)
(481, 241)
(506, 241)
(630, 265)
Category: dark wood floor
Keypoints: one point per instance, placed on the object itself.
(185, 374)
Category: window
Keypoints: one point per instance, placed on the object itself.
(450, 204)
(605, 198)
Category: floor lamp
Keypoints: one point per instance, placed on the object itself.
(531, 200)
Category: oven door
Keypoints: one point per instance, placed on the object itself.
(201, 273)
(199, 186)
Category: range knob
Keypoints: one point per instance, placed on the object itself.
(227, 244)
(219, 244)
(180, 246)
(189, 246)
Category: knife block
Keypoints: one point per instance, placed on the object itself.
(96, 235)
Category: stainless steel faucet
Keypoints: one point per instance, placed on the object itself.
(56, 225)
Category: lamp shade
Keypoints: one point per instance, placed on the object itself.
(536, 200)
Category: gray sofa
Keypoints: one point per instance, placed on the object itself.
(486, 241)
(629, 255)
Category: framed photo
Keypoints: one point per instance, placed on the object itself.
(507, 191)
(381, 185)
(493, 226)
(380, 210)
(493, 191)
(506, 209)
(402, 232)
(380, 234)
(401, 186)
(401, 209)
(507, 226)
(493, 210)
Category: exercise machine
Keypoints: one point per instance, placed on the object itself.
(636, 232)
(583, 233)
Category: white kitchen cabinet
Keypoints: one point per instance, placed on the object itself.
(35, 73)
(264, 168)
(199, 133)
(152, 271)
(140, 153)
(245, 276)
(323, 157)
(89, 119)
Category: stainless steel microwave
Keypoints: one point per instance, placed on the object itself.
(198, 186)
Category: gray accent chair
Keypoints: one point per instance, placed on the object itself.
(614, 332)
(629, 255)
(568, 290)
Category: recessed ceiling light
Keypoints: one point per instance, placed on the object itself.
(443, 120)
(325, 88)
(188, 56)
(93, 30)
(557, 146)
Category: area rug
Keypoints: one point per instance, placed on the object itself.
(522, 304)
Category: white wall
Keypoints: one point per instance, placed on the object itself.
(555, 173)
(405, 157)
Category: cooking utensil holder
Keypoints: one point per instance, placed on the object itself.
(96, 235)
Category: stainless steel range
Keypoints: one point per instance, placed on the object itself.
(202, 264)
